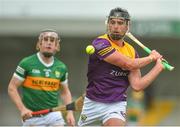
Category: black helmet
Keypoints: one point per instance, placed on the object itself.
(119, 13)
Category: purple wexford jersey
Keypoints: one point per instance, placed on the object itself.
(107, 83)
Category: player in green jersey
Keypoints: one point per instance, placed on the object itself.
(41, 77)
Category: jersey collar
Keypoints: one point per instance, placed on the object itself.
(41, 60)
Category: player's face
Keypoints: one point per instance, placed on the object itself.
(117, 28)
(49, 43)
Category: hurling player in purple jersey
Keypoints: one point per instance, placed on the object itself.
(114, 67)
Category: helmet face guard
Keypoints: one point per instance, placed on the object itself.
(49, 34)
(118, 13)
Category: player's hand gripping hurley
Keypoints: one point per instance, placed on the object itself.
(74, 106)
(166, 65)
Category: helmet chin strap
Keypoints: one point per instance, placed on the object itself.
(127, 30)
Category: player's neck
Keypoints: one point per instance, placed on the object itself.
(47, 60)
(120, 43)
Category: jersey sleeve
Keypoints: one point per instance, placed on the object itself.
(102, 47)
(20, 72)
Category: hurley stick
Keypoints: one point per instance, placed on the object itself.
(166, 65)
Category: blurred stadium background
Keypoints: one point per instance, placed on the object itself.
(154, 22)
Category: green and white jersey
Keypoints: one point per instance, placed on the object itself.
(41, 81)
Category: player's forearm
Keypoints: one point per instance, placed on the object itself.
(66, 97)
(127, 63)
(141, 62)
(133, 64)
(147, 79)
(14, 95)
